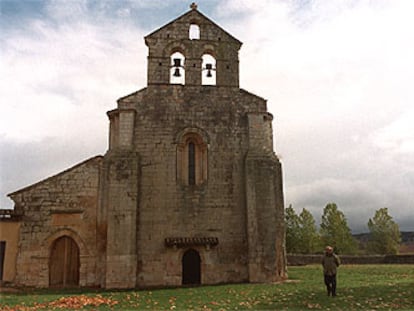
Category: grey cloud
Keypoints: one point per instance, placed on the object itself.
(328, 167)
(23, 164)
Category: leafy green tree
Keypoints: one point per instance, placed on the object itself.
(385, 237)
(310, 239)
(334, 230)
(292, 230)
(301, 233)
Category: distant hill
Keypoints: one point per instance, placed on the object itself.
(407, 237)
(407, 241)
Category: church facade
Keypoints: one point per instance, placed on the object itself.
(189, 191)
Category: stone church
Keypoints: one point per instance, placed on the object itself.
(188, 192)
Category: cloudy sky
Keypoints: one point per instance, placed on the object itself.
(338, 76)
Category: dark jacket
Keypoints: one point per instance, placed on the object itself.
(329, 263)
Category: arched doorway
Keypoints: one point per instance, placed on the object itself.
(64, 263)
(191, 267)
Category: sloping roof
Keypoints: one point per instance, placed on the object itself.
(200, 15)
(99, 157)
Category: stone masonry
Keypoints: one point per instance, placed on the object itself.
(189, 191)
(62, 205)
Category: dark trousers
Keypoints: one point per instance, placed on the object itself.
(330, 282)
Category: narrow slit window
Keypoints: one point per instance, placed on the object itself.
(191, 159)
(194, 32)
(191, 164)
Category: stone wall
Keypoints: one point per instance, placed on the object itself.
(264, 196)
(120, 200)
(216, 206)
(301, 260)
(62, 205)
(265, 219)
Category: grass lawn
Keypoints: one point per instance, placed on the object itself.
(360, 287)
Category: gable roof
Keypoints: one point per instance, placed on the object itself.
(195, 14)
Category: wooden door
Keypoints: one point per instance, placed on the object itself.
(64, 263)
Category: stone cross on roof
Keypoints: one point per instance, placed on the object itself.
(193, 6)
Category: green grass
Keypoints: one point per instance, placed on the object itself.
(360, 287)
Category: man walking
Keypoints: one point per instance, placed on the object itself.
(330, 262)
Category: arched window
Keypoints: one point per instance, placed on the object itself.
(192, 160)
(208, 72)
(194, 32)
(177, 71)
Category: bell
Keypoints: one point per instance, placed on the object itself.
(177, 72)
(209, 67)
(177, 62)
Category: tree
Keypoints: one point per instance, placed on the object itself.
(310, 239)
(301, 232)
(292, 230)
(335, 231)
(385, 237)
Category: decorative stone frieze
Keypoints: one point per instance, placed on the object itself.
(182, 242)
